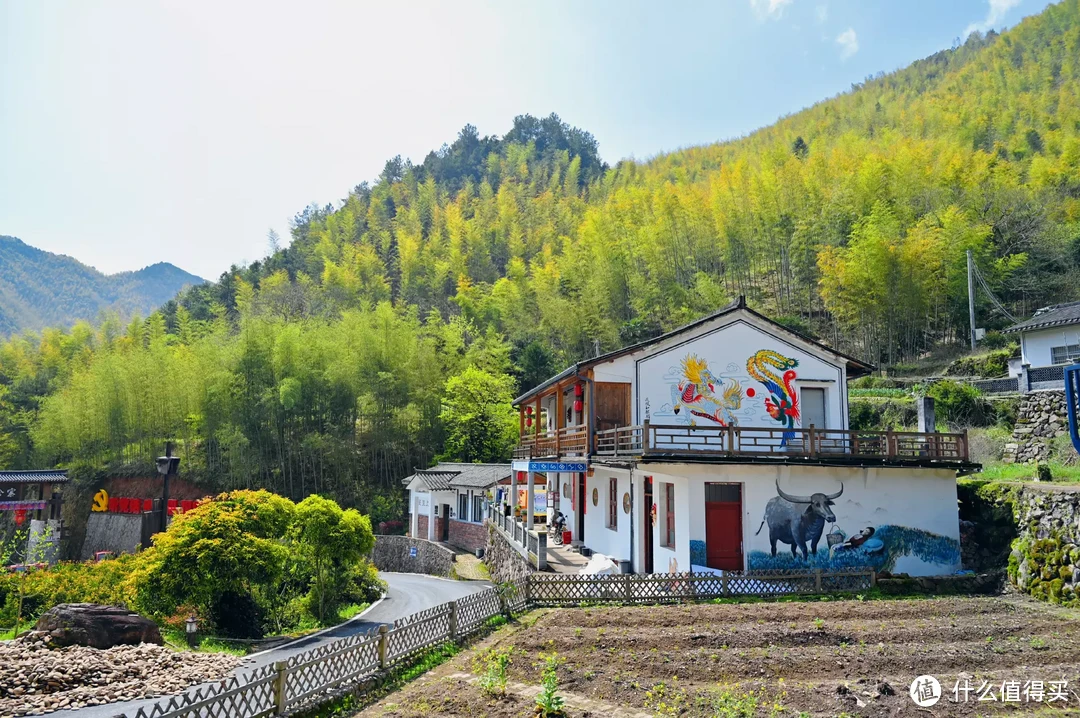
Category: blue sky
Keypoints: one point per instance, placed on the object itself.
(136, 132)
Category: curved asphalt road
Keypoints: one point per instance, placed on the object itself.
(406, 593)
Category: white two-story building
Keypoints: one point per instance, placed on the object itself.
(725, 445)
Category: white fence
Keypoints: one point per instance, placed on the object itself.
(311, 679)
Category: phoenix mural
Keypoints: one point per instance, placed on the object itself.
(783, 401)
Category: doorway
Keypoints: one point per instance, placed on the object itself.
(444, 531)
(813, 407)
(579, 507)
(648, 535)
(723, 526)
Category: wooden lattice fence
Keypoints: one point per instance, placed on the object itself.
(310, 679)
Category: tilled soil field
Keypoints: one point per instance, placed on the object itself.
(831, 658)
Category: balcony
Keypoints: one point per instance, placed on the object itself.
(567, 441)
(750, 443)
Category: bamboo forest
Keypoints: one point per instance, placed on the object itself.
(499, 260)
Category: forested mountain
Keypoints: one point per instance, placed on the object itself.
(40, 289)
(497, 260)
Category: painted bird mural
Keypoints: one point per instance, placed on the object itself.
(783, 402)
(696, 393)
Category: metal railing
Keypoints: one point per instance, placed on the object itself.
(735, 441)
(530, 543)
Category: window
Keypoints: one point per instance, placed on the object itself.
(668, 494)
(613, 503)
(813, 407)
(477, 508)
(1065, 355)
(462, 507)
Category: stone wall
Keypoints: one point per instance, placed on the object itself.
(1040, 417)
(393, 553)
(1033, 529)
(119, 533)
(1045, 560)
(504, 563)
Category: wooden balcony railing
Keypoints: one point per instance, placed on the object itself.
(756, 441)
(567, 441)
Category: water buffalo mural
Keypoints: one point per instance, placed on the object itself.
(798, 520)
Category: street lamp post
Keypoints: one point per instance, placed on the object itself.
(166, 466)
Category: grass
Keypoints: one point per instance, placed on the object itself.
(879, 393)
(998, 471)
(176, 640)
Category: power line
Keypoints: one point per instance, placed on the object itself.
(990, 294)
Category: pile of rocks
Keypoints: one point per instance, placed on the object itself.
(1040, 417)
(36, 678)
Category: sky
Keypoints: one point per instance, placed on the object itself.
(133, 132)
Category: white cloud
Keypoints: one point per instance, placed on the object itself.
(848, 42)
(994, 15)
(770, 9)
(822, 13)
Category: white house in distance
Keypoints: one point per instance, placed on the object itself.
(447, 502)
(1049, 341)
(725, 445)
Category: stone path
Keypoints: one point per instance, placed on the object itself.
(470, 568)
(573, 700)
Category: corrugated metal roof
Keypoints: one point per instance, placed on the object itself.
(33, 477)
(1052, 316)
(444, 476)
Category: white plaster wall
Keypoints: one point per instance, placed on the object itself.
(914, 498)
(1035, 346)
(727, 350)
(598, 537)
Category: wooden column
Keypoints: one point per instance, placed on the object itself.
(530, 493)
(537, 419)
(558, 419)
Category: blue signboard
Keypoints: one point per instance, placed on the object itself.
(412, 551)
(561, 466)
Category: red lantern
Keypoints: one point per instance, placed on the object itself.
(528, 421)
(579, 389)
(578, 405)
(20, 516)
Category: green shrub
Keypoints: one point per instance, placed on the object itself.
(960, 404)
(989, 365)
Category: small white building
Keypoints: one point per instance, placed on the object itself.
(447, 502)
(725, 445)
(1049, 341)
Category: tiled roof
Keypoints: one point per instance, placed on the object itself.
(1052, 316)
(33, 477)
(445, 476)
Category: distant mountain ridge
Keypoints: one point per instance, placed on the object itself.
(40, 289)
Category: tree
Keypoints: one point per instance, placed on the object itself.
(329, 540)
(216, 556)
(480, 423)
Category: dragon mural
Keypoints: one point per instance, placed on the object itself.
(783, 402)
(696, 392)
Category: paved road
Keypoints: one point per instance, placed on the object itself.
(406, 593)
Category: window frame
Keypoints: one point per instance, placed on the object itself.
(1071, 354)
(462, 501)
(668, 537)
(613, 503)
(477, 508)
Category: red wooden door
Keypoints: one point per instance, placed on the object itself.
(723, 526)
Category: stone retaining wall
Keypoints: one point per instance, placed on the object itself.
(503, 561)
(1040, 417)
(394, 553)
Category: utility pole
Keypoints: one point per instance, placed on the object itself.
(971, 296)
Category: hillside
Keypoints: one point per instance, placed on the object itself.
(40, 289)
(497, 260)
(850, 218)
